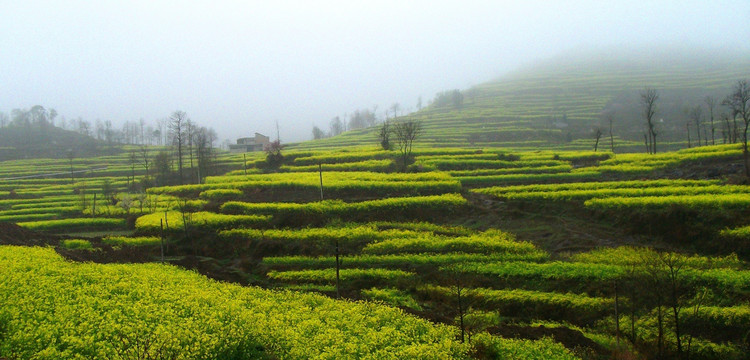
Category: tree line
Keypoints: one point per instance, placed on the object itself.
(192, 151)
(733, 123)
(134, 132)
(364, 118)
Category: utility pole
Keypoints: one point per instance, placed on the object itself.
(278, 138)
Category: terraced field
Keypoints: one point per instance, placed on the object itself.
(558, 104)
(430, 256)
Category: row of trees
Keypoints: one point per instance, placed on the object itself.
(734, 131)
(365, 118)
(191, 150)
(187, 140)
(138, 132)
(359, 119)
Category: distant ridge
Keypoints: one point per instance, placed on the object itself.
(556, 103)
(20, 142)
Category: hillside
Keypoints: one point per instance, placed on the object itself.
(526, 251)
(483, 254)
(558, 102)
(33, 141)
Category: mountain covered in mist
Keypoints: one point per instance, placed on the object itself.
(560, 102)
(35, 141)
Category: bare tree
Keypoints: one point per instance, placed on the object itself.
(204, 151)
(318, 133)
(52, 115)
(145, 160)
(673, 263)
(71, 155)
(142, 125)
(337, 126)
(177, 131)
(739, 102)
(649, 97)
(108, 134)
(696, 115)
(132, 160)
(189, 130)
(597, 135)
(406, 132)
(99, 129)
(726, 129)
(655, 279)
(395, 108)
(611, 119)
(3, 119)
(687, 127)
(711, 103)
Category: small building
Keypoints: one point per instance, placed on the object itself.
(248, 144)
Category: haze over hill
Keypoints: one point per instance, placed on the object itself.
(238, 66)
(561, 100)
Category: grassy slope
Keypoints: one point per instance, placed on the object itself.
(558, 102)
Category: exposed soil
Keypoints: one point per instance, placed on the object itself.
(106, 254)
(12, 234)
(557, 228)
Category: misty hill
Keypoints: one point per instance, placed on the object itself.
(558, 102)
(34, 141)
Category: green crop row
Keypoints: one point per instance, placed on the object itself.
(630, 256)
(328, 177)
(522, 349)
(487, 242)
(343, 157)
(545, 304)
(477, 181)
(582, 195)
(730, 318)
(565, 168)
(314, 240)
(402, 208)
(131, 241)
(397, 260)
(99, 223)
(76, 244)
(392, 297)
(328, 276)
(366, 165)
(703, 202)
(728, 280)
(28, 217)
(332, 183)
(637, 184)
(469, 164)
(57, 309)
(740, 233)
(175, 221)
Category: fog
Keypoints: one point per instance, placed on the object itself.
(240, 66)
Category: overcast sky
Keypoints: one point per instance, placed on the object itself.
(240, 65)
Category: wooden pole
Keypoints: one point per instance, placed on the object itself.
(338, 266)
(617, 318)
(244, 157)
(161, 225)
(93, 207)
(320, 171)
(166, 225)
